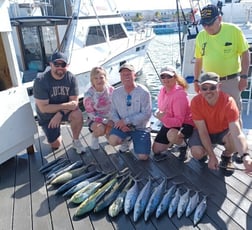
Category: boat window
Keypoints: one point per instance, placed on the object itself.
(116, 32)
(96, 35)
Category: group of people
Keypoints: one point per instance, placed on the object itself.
(123, 114)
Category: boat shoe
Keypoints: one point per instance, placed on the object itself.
(182, 153)
(203, 160)
(227, 165)
(160, 156)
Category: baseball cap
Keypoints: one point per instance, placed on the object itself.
(170, 70)
(59, 56)
(127, 66)
(208, 14)
(209, 77)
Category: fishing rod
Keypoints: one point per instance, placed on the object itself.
(153, 66)
(179, 31)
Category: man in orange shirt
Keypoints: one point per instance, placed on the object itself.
(216, 117)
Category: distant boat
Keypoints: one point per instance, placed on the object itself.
(129, 26)
(90, 32)
(164, 27)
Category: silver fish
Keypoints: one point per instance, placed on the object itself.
(174, 203)
(200, 210)
(183, 202)
(142, 200)
(155, 199)
(193, 201)
(131, 197)
(165, 202)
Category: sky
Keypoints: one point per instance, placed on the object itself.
(149, 4)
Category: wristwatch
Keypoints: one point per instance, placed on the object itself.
(244, 76)
(244, 155)
(195, 80)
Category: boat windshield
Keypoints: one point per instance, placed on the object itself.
(98, 34)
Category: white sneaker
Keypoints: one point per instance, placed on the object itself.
(94, 143)
(125, 145)
(77, 145)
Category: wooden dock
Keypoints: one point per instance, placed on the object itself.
(28, 203)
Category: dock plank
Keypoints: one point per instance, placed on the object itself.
(24, 188)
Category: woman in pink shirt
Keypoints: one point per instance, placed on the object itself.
(174, 113)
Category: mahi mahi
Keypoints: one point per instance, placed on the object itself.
(117, 206)
(89, 204)
(88, 190)
(110, 197)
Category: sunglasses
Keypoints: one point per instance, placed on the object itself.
(60, 64)
(163, 76)
(128, 100)
(211, 88)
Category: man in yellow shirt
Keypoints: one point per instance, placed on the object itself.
(222, 48)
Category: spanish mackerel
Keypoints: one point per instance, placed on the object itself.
(142, 200)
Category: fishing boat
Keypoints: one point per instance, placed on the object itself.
(91, 33)
(31, 203)
(164, 27)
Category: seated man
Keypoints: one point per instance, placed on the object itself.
(216, 118)
(56, 99)
(131, 112)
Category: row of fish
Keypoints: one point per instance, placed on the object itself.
(160, 200)
(95, 191)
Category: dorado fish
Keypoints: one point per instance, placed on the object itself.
(155, 199)
(200, 210)
(110, 197)
(48, 166)
(63, 188)
(117, 206)
(88, 190)
(174, 203)
(165, 202)
(183, 202)
(82, 184)
(142, 200)
(56, 168)
(53, 175)
(68, 175)
(131, 197)
(89, 204)
(193, 202)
